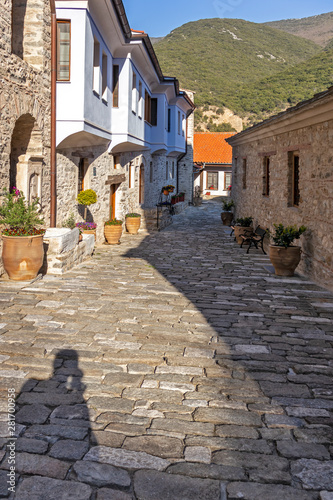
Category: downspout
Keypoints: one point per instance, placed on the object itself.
(53, 157)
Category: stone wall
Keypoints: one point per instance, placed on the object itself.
(185, 174)
(316, 187)
(25, 98)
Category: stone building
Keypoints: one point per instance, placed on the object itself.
(25, 98)
(121, 124)
(283, 173)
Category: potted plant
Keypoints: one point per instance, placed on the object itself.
(174, 199)
(87, 228)
(132, 222)
(243, 227)
(227, 215)
(22, 250)
(166, 190)
(181, 196)
(87, 198)
(283, 255)
(113, 230)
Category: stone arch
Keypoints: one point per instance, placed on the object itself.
(27, 31)
(26, 157)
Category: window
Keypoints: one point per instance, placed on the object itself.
(265, 176)
(169, 119)
(293, 166)
(183, 125)
(151, 172)
(83, 168)
(167, 170)
(147, 107)
(134, 92)
(173, 170)
(244, 172)
(104, 77)
(227, 180)
(140, 100)
(130, 175)
(179, 124)
(96, 66)
(153, 112)
(115, 86)
(212, 181)
(63, 50)
(116, 162)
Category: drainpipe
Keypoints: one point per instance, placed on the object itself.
(53, 158)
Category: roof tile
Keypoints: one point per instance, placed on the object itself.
(211, 147)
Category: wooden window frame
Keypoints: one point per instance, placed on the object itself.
(140, 100)
(59, 22)
(293, 179)
(266, 176)
(83, 167)
(147, 107)
(244, 173)
(115, 86)
(134, 94)
(226, 184)
(96, 66)
(209, 184)
(104, 77)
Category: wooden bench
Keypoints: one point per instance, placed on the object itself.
(256, 239)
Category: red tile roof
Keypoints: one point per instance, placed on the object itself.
(212, 147)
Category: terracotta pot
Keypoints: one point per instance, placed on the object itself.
(284, 260)
(22, 256)
(182, 198)
(89, 231)
(113, 233)
(239, 230)
(133, 224)
(165, 192)
(173, 201)
(227, 218)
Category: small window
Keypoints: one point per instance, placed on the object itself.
(116, 162)
(96, 66)
(173, 170)
(104, 77)
(179, 123)
(212, 181)
(63, 50)
(151, 172)
(244, 172)
(265, 176)
(147, 107)
(183, 125)
(130, 175)
(169, 119)
(140, 100)
(153, 112)
(115, 86)
(227, 180)
(167, 170)
(134, 94)
(293, 167)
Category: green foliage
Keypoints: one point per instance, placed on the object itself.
(257, 70)
(221, 127)
(70, 222)
(19, 215)
(87, 197)
(133, 215)
(227, 205)
(113, 222)
(244, 222)
(285, 235)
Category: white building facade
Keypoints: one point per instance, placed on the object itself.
(122, 126)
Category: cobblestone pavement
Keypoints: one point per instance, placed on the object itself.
(171, 367)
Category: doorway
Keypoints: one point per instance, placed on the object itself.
(142, 185)
(113, 200)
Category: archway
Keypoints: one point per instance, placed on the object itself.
(26, 157)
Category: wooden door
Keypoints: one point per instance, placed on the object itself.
(113, 196)
(142, 185)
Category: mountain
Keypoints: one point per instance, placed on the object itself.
(319, 28)
(251, 69)
(212, 56)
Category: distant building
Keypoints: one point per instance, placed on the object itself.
(212, 161)
(121, 124)
(283, 173)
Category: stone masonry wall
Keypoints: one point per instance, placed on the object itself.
(316, 188)
(185, 174)
(25, 84)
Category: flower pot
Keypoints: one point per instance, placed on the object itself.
(22, 256)
(89, 231)
(284, 260)
(227, 218)
(113, 233)
(208, 193)
(166, 192)
(133, 224)
(173, 201)
(182, 198)
(239, 230)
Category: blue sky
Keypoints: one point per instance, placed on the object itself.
(158, 18)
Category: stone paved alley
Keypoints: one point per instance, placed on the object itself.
(197, 374)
